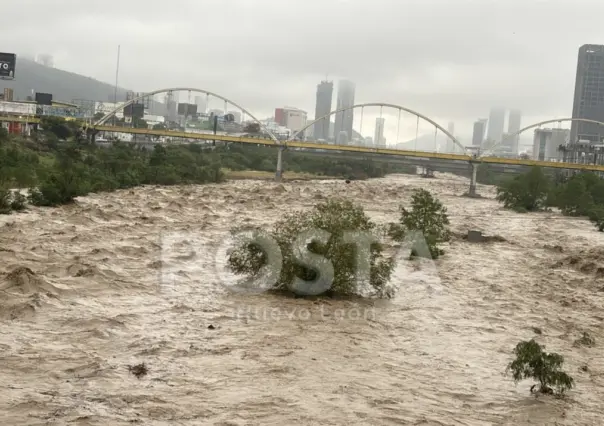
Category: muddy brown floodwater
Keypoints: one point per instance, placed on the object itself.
(87, 291)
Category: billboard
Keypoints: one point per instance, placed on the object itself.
(44, 98)
(8, 63)
(187, 109)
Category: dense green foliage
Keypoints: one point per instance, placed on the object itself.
(241, 157)
(335, 217)
(59, 164)
(428, 216)
(526, 192)
(581, 194)
(532, 362)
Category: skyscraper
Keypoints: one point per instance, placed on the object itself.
(450, 145)
(589, 94)
(478, 134)
(513, 128)
(378, 137)
(344, 119)
(322, 108)
(495, 126)
(201, 103)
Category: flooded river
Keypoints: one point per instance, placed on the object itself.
(90, 289)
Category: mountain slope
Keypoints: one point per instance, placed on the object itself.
(64, 86)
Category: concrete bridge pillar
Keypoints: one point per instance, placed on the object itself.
(472, 191)
(279, 173)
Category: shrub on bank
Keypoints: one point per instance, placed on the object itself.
(525, 193)
(336, 218)
(59, 165)
(581, 194)
(11, 201)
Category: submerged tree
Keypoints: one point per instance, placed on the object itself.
(532, 362)
(427, 216)
(323, 251)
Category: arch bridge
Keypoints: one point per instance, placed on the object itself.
(208, 93)
(534, 126)
(294, 142)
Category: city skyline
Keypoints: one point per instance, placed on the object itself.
(442, 78)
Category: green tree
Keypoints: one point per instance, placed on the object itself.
(596, 216)
(427, 215)
(526, 192)
(574, 199)
(5, 201)
(252, 128)
(57, 126)
(335, 217)
(3, 135)
(532, 362)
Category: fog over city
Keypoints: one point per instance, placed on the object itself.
(450, 59)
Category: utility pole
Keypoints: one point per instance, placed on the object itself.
(117, 71)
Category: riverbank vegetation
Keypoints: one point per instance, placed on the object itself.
(580, 194)
(59, 164)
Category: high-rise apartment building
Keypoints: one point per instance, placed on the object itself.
(378, 137)
(201, 102)
(480, 127)
(511, 139)
(344, 119)
(495, 126)
(546, 144)
(450, 147)
(589, 94)
(322, 108)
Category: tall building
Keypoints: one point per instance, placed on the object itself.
(292, 118)
(322, 108)
(479, 130)
(201, 102)
(344, 119)
(378, 136)
(495, 126)
(342, 138)
(8, 94)
(589, 94)
(450, 145)
(511, 139)
(546, 144)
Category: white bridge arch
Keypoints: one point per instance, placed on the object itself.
(387, 105)
(535, 125)
(187, 89)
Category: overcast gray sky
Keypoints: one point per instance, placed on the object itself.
(449, 59)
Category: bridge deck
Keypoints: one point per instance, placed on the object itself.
(327, 147)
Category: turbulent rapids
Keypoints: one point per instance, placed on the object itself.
(88, 292)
